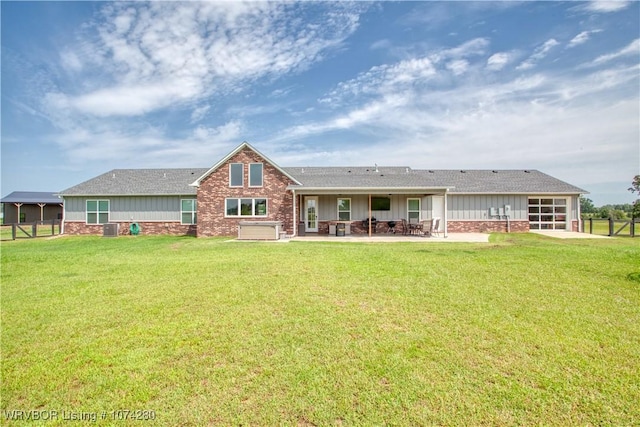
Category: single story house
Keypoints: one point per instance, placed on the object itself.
(247, 186)
(30, 206)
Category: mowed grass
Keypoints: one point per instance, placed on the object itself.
(525, 330)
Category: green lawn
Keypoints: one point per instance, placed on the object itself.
(525, 330)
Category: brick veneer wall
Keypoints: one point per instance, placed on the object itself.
(357, 227)
(214, 189)
(495, 226)
(146, 228)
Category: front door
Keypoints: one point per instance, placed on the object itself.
(311, 214)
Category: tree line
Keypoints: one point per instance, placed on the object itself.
(619, 211)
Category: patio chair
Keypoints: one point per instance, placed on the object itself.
(435, 227)
(427, 228)
(415, 226)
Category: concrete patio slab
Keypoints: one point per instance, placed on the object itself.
(568, 234)
(379, 238)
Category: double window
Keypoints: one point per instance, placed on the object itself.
(236, 175)
(97, 211)
(246, 207)
(188, 211)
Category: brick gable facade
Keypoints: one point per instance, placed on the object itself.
(215, 189)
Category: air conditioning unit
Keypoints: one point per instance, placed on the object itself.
(110, 230)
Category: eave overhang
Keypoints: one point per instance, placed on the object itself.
(301, 189)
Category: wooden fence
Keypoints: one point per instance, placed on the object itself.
(611, 227)
(30, 230)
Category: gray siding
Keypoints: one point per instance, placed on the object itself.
(472, 207)
(328, 207)
(153, 208)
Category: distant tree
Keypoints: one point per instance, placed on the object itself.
(586, 205)
(635, 189)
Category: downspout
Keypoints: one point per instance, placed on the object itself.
(294, 216)
(579, 214)
(64, 216)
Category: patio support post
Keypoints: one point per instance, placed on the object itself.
(42, 205)
(369, 215)
(445, 213)
(18, 206)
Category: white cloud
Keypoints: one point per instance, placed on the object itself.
(227, 132)
(523, 121)
(162, 53)
(70, 61)
(539, 53)
(579, 39)
(199, 113)
(498, 61)
(473, 47)
(458, 66)
(632, 49)
(606, 6)
(407, 73)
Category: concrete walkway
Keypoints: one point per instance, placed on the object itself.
(568, 234)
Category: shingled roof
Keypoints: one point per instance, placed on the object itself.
(138, 182)
(456, 181)
(158, 182)
(31, 197)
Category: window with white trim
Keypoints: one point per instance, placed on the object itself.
(188, 211)
(245, 207)
(344, 209)
(236, 175)
(97, 211)
(255, 174)
(413, 210)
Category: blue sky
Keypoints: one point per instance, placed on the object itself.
(89, 86)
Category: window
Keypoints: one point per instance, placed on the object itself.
(236, 175)
(188, 211)
(413, 209)
(97, 211)
(380, 204)
(255, 175)
(246, 207)
(344, 209)
(547, 214)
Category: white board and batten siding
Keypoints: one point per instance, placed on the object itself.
(136, 208)
(328, 207)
